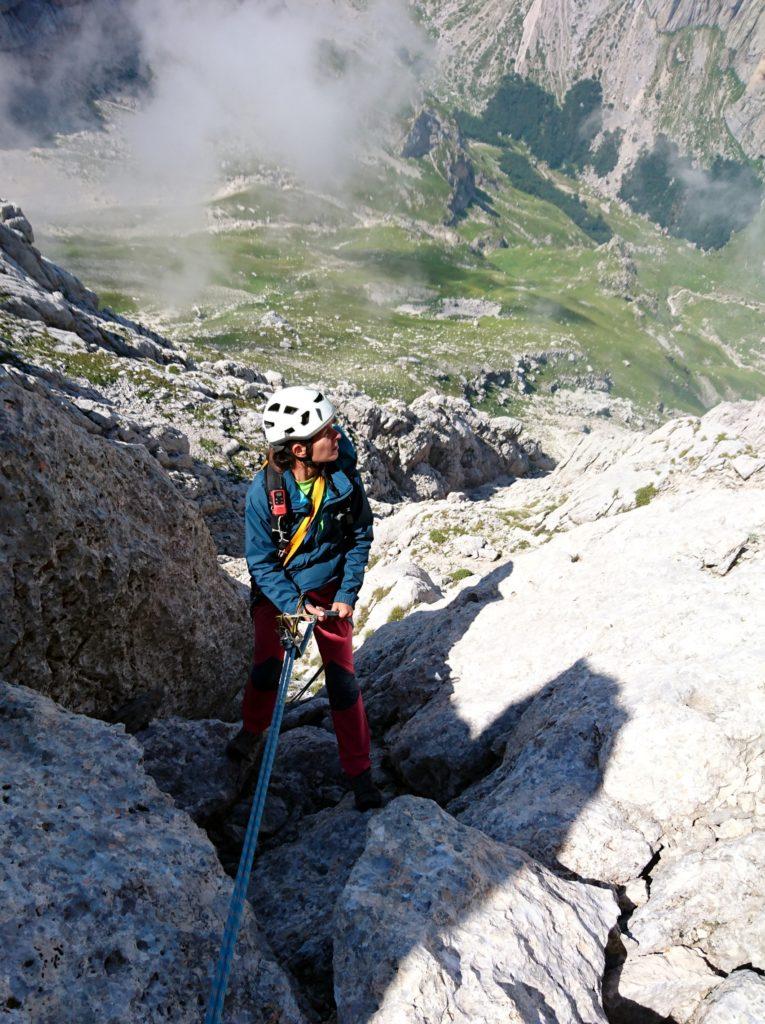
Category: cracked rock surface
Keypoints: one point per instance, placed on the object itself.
(113, 900)
(437, 921)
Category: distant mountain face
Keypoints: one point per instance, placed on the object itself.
(56, 58)
(692, 69)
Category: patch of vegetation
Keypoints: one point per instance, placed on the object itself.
(704, 206)
(397, 614)
(644, 495)
(461, 574)
(523, 110)
(209, 445)
(99, 370)
(606, 156)
(522, 174)
(437, 536)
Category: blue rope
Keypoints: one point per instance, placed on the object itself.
(239, 894)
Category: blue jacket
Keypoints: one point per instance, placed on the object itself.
(333, 551)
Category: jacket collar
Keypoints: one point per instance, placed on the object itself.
(338, 488)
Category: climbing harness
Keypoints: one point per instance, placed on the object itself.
(294, 646)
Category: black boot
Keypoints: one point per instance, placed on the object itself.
(365, 791)
(244, 746)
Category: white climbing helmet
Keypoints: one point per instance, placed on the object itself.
(296, 414)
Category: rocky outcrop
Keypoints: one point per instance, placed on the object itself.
(110, 584)
(113, 901)
(727, 443)
(476, 931)
(740, 999)
(437, 137)
(435, 445)
(33, 288)
(711, 900)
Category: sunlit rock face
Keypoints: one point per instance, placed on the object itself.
(477, 930)
(659, 64)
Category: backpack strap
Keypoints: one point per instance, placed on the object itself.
(317, 496)
(279, 507)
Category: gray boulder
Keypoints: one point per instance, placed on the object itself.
(110, 585)
(113, 900)
(306, 777)
(713, 900)
(294, 890)
(186, 758)
(439, 922)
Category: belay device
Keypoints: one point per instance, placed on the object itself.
(294, 646)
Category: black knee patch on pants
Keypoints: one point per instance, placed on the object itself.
(342, 688)
(265, 676)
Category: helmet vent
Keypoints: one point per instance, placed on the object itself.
(274, 407)
(319, 398)
(305, 417)
(289, 410)
(289, 430)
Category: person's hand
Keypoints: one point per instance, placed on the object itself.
(312, 610)
(344, 611)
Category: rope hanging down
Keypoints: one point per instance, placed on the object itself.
(294, 647)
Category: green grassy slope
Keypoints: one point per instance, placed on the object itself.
(339, 268)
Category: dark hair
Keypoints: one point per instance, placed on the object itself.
(282, 458)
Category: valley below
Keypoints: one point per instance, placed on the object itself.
(519, 247)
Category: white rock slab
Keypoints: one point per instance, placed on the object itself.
(438, 922)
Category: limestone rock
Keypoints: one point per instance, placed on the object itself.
(186, 759)
(34, 288)
(110, 585)
(294, 889)
(610, 726)
(670, 984)
(439, 922)
(607, 480)
(713, 900)
(435, 445)
(390, 589)
(113, 900)
(740, 999)
(306, 777)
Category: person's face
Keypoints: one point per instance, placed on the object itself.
(326, 445)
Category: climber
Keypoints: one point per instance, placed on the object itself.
(308, 531)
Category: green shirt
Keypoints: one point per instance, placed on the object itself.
(306, 486)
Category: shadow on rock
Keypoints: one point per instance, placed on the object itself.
(423, 907)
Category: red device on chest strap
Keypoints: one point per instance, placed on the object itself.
(278, 502)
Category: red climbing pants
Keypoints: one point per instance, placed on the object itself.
(334, 637)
